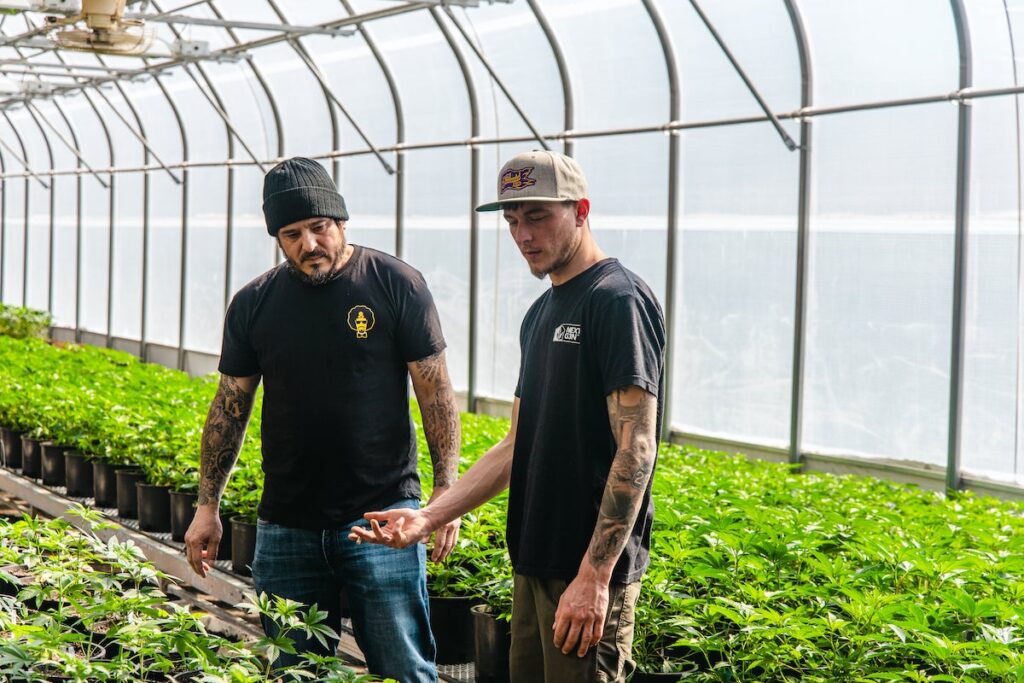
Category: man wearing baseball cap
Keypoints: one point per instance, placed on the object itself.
(580, 454)
(334, 333)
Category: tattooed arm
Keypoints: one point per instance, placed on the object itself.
(442, 429)
(579, 619)
(222, 439)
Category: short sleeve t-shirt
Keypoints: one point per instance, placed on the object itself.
(600, 331)
(337, 435)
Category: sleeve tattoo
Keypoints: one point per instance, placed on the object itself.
(222, 437)
(633, 416)
(441, 424)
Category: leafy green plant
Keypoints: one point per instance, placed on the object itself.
(20, 322)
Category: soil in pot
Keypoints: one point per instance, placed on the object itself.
(183, 509)
(243, 546)
(452, 625)
(10, 442)
(127, 498)
(78, 474)
(492, 641)
(52, 464)
(104, 483)
(154, 507)
(31, 465)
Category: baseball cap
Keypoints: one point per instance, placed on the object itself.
(538, 176)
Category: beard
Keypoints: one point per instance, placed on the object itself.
(320, 276)
(562, 257)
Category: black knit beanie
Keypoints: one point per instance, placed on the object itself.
(300, 188)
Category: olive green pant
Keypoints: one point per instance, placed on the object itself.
(535, 658)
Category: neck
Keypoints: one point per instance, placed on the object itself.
(587, 254)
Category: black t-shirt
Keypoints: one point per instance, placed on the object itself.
(338, 439)
(581, 340)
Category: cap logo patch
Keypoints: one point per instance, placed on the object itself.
(517, 179)
(361, 320)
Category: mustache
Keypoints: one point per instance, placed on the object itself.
(314, 254)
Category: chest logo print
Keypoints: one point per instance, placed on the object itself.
(568, 333)
(361, 320)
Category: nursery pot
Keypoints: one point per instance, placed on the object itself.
(78, 474)
(31, 465)
(224, 549)
(452, 625)
(53, 464)
(127, 499)
(183, 509)
(492, 641)
(10, 442)
(104, 483)
(243, 546)
(154, 507)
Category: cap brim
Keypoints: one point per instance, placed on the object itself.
(498, 205)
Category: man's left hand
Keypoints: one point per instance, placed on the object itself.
(446, 536)
(579, 619)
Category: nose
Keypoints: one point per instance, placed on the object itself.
(308, 241)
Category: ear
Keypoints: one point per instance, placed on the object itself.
(582, 211)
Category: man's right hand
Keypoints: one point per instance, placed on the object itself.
(397, 528)
(203, 538)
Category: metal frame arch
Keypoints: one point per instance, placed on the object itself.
(803, 233)
(396, 100)
(52, 204)
(568, 97)
(672, 226)
(957, 354)
(300, 50)
(78, 202)
(474, 196)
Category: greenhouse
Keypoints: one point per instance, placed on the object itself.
(817, 209)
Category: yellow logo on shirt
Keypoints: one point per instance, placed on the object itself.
(361, 320)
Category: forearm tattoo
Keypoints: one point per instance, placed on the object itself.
(222, 437)
(441, 424)
(633, 415)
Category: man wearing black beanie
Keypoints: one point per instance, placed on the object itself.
(334, 333)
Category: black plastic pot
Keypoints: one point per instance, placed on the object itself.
(243, 546)
(78, 474)
(53, 464)
(492, 641)
(10, 442)
(31, 463)
(452, 625)
(104, 483)
(154, 507)
(183, 509)
(224, 549)
(127, 498)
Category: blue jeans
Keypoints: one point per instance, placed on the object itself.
(386, 588)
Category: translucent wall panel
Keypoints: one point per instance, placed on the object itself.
(760, 36)
(308, 130)
(15, 193)
(736, 258)
(207, 235)
(991, 428)
(879, 307)
(879, 49)
(252, 249)
(164, 285)
(608, 44)
(516, 47)
(370, 199)
(437, 243)
(65, 247)
(245, 103)
(159, 126)
(95, 264)
(126, 314)
(38, 252)
(93, 138)
(991, 48)
(205, 131)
